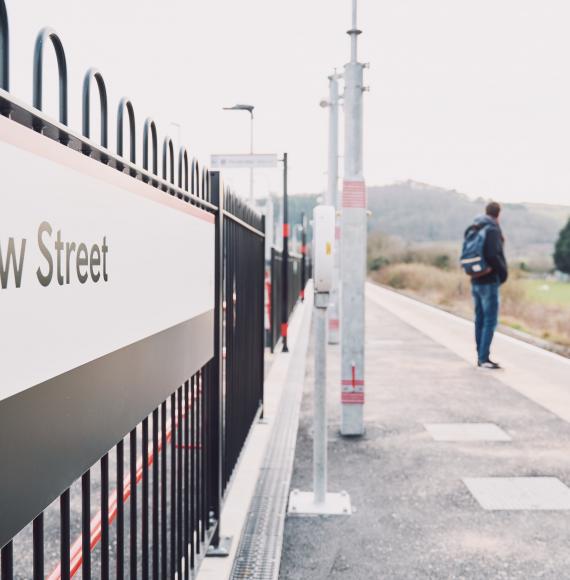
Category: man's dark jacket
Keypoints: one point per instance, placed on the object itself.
(492, 250)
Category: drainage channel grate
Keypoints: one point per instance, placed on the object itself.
(259, 552)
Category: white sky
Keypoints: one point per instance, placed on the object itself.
(471, 95)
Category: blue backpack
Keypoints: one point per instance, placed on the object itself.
(472, 259)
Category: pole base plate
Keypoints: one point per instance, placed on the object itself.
(302, 503)
(222, 550)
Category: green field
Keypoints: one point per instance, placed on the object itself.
(548, 292)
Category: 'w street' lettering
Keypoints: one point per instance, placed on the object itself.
(12, 261)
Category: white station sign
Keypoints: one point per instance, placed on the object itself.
(91, 260)
(236, 161)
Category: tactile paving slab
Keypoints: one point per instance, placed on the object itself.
(466, 432)
(519, 493)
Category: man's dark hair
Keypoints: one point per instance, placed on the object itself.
(493, 209)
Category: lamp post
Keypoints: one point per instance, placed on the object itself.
(249, 109)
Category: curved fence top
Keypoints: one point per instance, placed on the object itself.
(93, 73)
(150, 127)
(183, 168)
(48, 34)
(168, 151)
(4, 48)
(126, 104)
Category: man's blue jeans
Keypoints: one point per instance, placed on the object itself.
(486, 299)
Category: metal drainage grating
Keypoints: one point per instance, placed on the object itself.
(259, 553)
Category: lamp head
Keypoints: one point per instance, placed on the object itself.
(248, 108)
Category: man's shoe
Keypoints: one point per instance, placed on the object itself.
(489, 364)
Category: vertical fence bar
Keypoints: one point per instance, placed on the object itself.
(64, 543)
(172, 485)
(217, 198)
(193, 478)
(120, 512)
(155, 493)
(38, 547)
(284, 304)
(133, 510)
(179, 515)
(186, 479)
(105, 517)
(163, 514)
(7, 562)
(144, 500)
(86, 525)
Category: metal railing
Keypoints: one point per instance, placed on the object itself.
(296, 282)
(151, 505)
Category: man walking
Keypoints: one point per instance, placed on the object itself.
(485, 285)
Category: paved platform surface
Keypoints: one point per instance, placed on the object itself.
(416, 515)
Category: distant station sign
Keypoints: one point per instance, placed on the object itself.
(237, 161)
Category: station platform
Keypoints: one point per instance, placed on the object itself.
(462, 473)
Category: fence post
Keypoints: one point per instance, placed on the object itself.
(285, 265)
(219, 547)
(262, 296)
(303, 255)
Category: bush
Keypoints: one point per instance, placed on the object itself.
(451, 289)
(562, 250)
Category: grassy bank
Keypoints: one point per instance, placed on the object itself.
(525, 304)
(548, 292)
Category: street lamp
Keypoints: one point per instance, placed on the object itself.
(249, 109)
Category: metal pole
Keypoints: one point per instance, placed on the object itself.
(333, 199)
(219, 545)
(285, 264)
(304, 255)
(320, 401)
(251, 153)
(353, 247)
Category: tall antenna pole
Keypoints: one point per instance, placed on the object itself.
(353, 247)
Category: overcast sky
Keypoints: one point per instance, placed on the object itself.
(470, 95)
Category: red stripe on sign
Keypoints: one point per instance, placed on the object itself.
(354, 194)
(352, 382)
(285, 230)
(352, 398)
(284, 329)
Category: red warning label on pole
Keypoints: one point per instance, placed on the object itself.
(354, 194)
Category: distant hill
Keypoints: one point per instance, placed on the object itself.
(418, 212)
(421, 213)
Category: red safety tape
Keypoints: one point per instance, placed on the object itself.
(352, 398)
(334, 324)
(354, 194)
(285, 230)
(352, 383)
(284, 328)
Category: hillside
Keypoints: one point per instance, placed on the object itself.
(421, 213)
(418, 212)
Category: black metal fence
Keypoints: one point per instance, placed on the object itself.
(151, 506)
(244, 331)
(297, 279)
